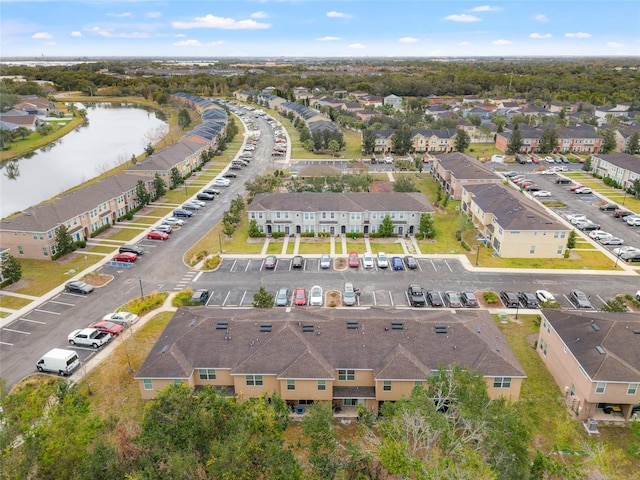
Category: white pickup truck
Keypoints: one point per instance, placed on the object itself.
(89, 337)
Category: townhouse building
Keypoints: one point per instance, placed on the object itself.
(337, 213)
(578, 139)
(595, 361)
(393, 101)
(32, 233)
(184, 155)
(346, 357)
(456, 170)
(513, 225)
(424, 140)
(621, 167)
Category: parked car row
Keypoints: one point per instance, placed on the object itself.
(368, 261)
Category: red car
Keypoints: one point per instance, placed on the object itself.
(575, 187)
(125, 257)
(109, 327)
(155, 235)
(354, 261)
(300, 297)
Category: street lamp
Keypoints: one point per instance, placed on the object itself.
(477, 253)
(141, 292)
(517, 309)
(220, 241)
(625, 197)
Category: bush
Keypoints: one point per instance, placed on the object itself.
(211, 263)
(150, 302)
(197, 257)
(81, 243)
(100, 230)
(277, 235)
(465, 246)
(182, 298)
(308, 234)
(490, 297)
(566, 254)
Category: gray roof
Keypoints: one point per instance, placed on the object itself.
(193, 339)
(615, 333)
(465, 167)
(511, 209)
(341, 202)
(166, 159)
(48, 215)
(622, 160)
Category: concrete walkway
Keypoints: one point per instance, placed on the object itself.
(343, 238)
(367, 244)
(296, 246)
(416, 246)
(19, 295)
(285, 244)
(265, 247)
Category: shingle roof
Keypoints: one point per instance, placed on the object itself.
(615, 333)
(168, 158)
(465, 167)
(194, 339)
(622, 160)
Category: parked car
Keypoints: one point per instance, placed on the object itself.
(123, 318)
(300, 297)
(627, 249)
(200, 296)
(588, 226)
(564, 181)
(528, 300)
(89, 337)
(452, 300)
(633, 222)
(620, 213)
(76, 286)
(132, 249)
(205, 196)
(631, 257)
(608, 207)
(416, 296)
(579, 299)
(532, 189)
(270, 262)
(163, 228)
(315, 296)
(575, 218)
(410, 262)
(173, 221)
(383, 262)
(297, 262)
(509, 299)
(367, 260)
(221, 182)
(156, 235)
(583, 190)
(190, 206)
(548, 172)
(598, 234)
(541, 193)
(282, 297)
(354, 261)
(397, 263)
(127, 257)
(182, 213)
(230, 175)
(325, 261)
(468, 299)
(612, 241)
(107, 326)
(545, 296)
(211, 191)
(349, 294)
(434, 298)
(573, 188)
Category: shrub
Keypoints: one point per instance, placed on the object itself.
(150, 302)
(100, 230)
(458, 235)
(182, 298)
(490, 297)
(277, 234)
(308, 234)
(81, 243)
(211, 263)
(197, 257)
(465, 246)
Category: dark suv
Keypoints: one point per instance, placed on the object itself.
(528, 300)
(468, 299)
(509, 299)
(416, 296)
(434, 299)
(131, 249)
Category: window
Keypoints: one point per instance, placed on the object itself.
(20, 251)
(207, 374)
(532, 249)
(417, 383)
(560, 249)
(633, 389)
(254, 380)
(322, 385)
(555, 234)
(601, 387)
(346, 375)
(572, 392)
(177, 381)
(147, 383)
(45, 252)
(350, 402)
(502, 382)
(386, 385)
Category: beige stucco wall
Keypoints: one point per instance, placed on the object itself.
(512, 393)
(306, 390)
(517, 245)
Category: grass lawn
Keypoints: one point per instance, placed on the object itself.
(356, 247)
(101, 248)
(587, 260)
(41, 276)
(275, 248)
(313, 248)
(388, 248)
(353, 144)
(237, 244)
(14, 303)
(124, 234)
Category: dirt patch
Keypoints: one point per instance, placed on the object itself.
(333, 298)
(22, 283)
(340, 263)
(484, 304)
(97, 279)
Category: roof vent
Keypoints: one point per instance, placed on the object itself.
(397, 326)
(636, 331)
(600, 350)
(307, 327)
(222, 325)
(441, 328)
(595, 326)
(193, 322)
(352, 325)
(477, 329)
(165, 349)
(497, 347)
(265, 327)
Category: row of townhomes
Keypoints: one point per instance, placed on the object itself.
(345, 357)
(32, 233)
(594, 359)
(337, 213)
(621, 167)
(455, 170)
(423, 140)
(578, 139)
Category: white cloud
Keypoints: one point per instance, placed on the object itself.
(76, 34)
(42, 36)
(334, 14)
(464, 44)
(462, 18)
(188, 43)
(357, 45)
(486, 8)
(501, 42)
(578, 35)
(540, 35)
(108, 33)
(211, 21)
(615, 44)
(153, 14)
(119, 15)
(259, 15)
(408, 40)
(328, 38)
(541, 17)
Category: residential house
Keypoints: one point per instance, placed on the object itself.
(434, 100)
(577, 139)
(393, 101)
(617, 111)
(327, 101)
(383, 142)
(337, 213)
(351, 107)
(456, 170)
(35, 105)
(433, 141)
(358, 94)
(594, 359)
(621, 167)
(365, 114)
(32, 233)
(347, 358)
(19, 118)
(623, 134)
(512, 224)
(371, 101)
(184, 155)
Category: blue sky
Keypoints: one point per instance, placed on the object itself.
(311, 28)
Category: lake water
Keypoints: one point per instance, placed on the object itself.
(113, 134)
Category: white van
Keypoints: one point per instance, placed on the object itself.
(60, 361)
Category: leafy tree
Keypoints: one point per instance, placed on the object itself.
(586, 166)
(474, 119)
(175, 178)
(426, 227)
(323, 443)
(159, 186)
(401, 140)
(64, 242)
(308, 145)
(11, 268)
(548, 141)
(334, 147)
(228, 226)
(368, 142)
(254, 231)
(149, 149)
(609, 143)
(404, 184)
(635, 188)
(515, 142)
(262, 298)
(237, 205)
(616, 304)
(462, 141)
(184, 119)
(633, 144)
(142, 195)
(571, 239)
(386, 227)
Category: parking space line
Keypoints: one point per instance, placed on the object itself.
(600, 298)
(375, 300)
(6, 343)
(63, 303)
(209, 299)
(16, 331)
(419, 266)
(391, 298)
(448, 266)
(407, 297)
(242, 299)
(45, 311)
(32, 321)
(247, 267)
(197, 276)
(433, 265)
(226, 298)
(233, 265)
